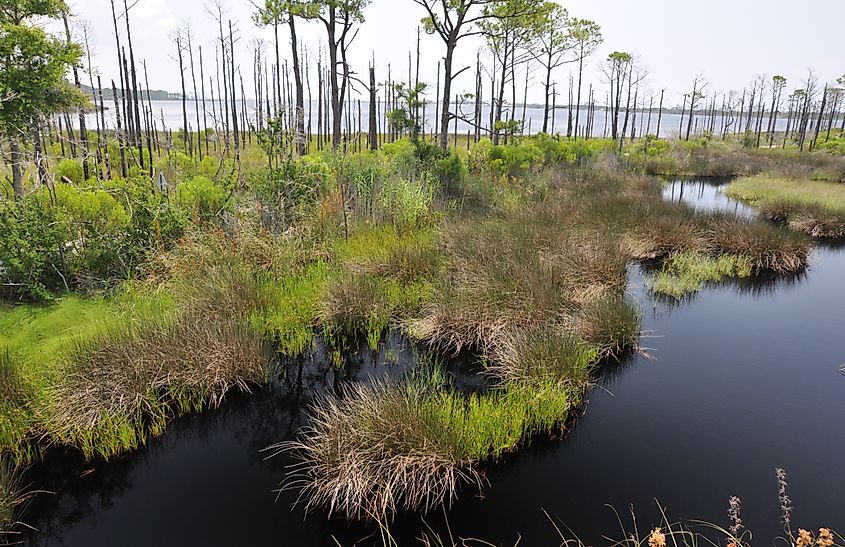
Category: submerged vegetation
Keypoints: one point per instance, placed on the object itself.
(813, 207)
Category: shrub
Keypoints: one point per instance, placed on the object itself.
(200, 198)
(30, 243)
(71, 170)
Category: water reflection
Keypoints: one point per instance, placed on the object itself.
(742, 378)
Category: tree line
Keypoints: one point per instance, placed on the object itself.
(42, 98)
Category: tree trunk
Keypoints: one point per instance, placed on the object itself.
(83, 133)
(17, 172)
(300, 94)
(447, 91)
(373, 114)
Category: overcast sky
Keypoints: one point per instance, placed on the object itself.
(728, 41)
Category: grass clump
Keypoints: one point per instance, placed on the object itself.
(545, 355)
(10, 498)
(765, 246)
(611, 324)
(685, 273)
(126, 386)
(355, 304)
(379, 449)
(812, 207)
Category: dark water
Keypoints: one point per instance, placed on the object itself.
(743, 378)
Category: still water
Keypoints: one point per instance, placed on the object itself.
(740, 379)
(168, 114)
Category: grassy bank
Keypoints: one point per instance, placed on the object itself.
(539, 290)
(813, 207)
(516, 252)
(709, 157)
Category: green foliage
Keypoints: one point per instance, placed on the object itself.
(71, 170)
(686, 272)
(200, 198)
(30, 244)
(33, 66)
(405, 118)
(74, 237)
(530, 154)
(406, 204)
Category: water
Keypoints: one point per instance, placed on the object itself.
(169, 115)
(743, 378)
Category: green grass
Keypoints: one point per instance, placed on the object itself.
(687, 272)
(35, 341)
(291, 313)
(814, 207)
(385, 447)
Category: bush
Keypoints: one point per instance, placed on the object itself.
(30, 241)
(71, 170)
(200, 198)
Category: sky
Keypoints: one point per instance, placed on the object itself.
(729, 42)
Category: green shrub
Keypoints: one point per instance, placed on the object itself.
(200, 198)
(70, 169)
(30, 241)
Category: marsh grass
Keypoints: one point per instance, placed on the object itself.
(708, 158)
(765, 246)
(544, 355)
(383, 448)
(812, 207)
(127, 385)
(353, 305)
(11, 498)
(686, 273)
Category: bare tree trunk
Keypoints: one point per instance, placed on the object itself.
(233, 98)
(300, 94)
(17, 172)
(120, 139)
(189, 148)
(660, 112)
(196, 97)
(83, 132)
(373, 121)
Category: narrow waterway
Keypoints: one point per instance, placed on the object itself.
(740, 379)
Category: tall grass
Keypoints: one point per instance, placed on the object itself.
(685, 273)
(123, 387)
(383, 448)
(11, 498)
(815, 208)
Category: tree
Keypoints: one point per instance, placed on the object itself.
(339, 17)
(698, 85)
(402, 118)
(616, 69)
(585, 36)
(550, 49)
(510, 27)
(279, 12)
(452, 21)
(33, 65)
(778, 85)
